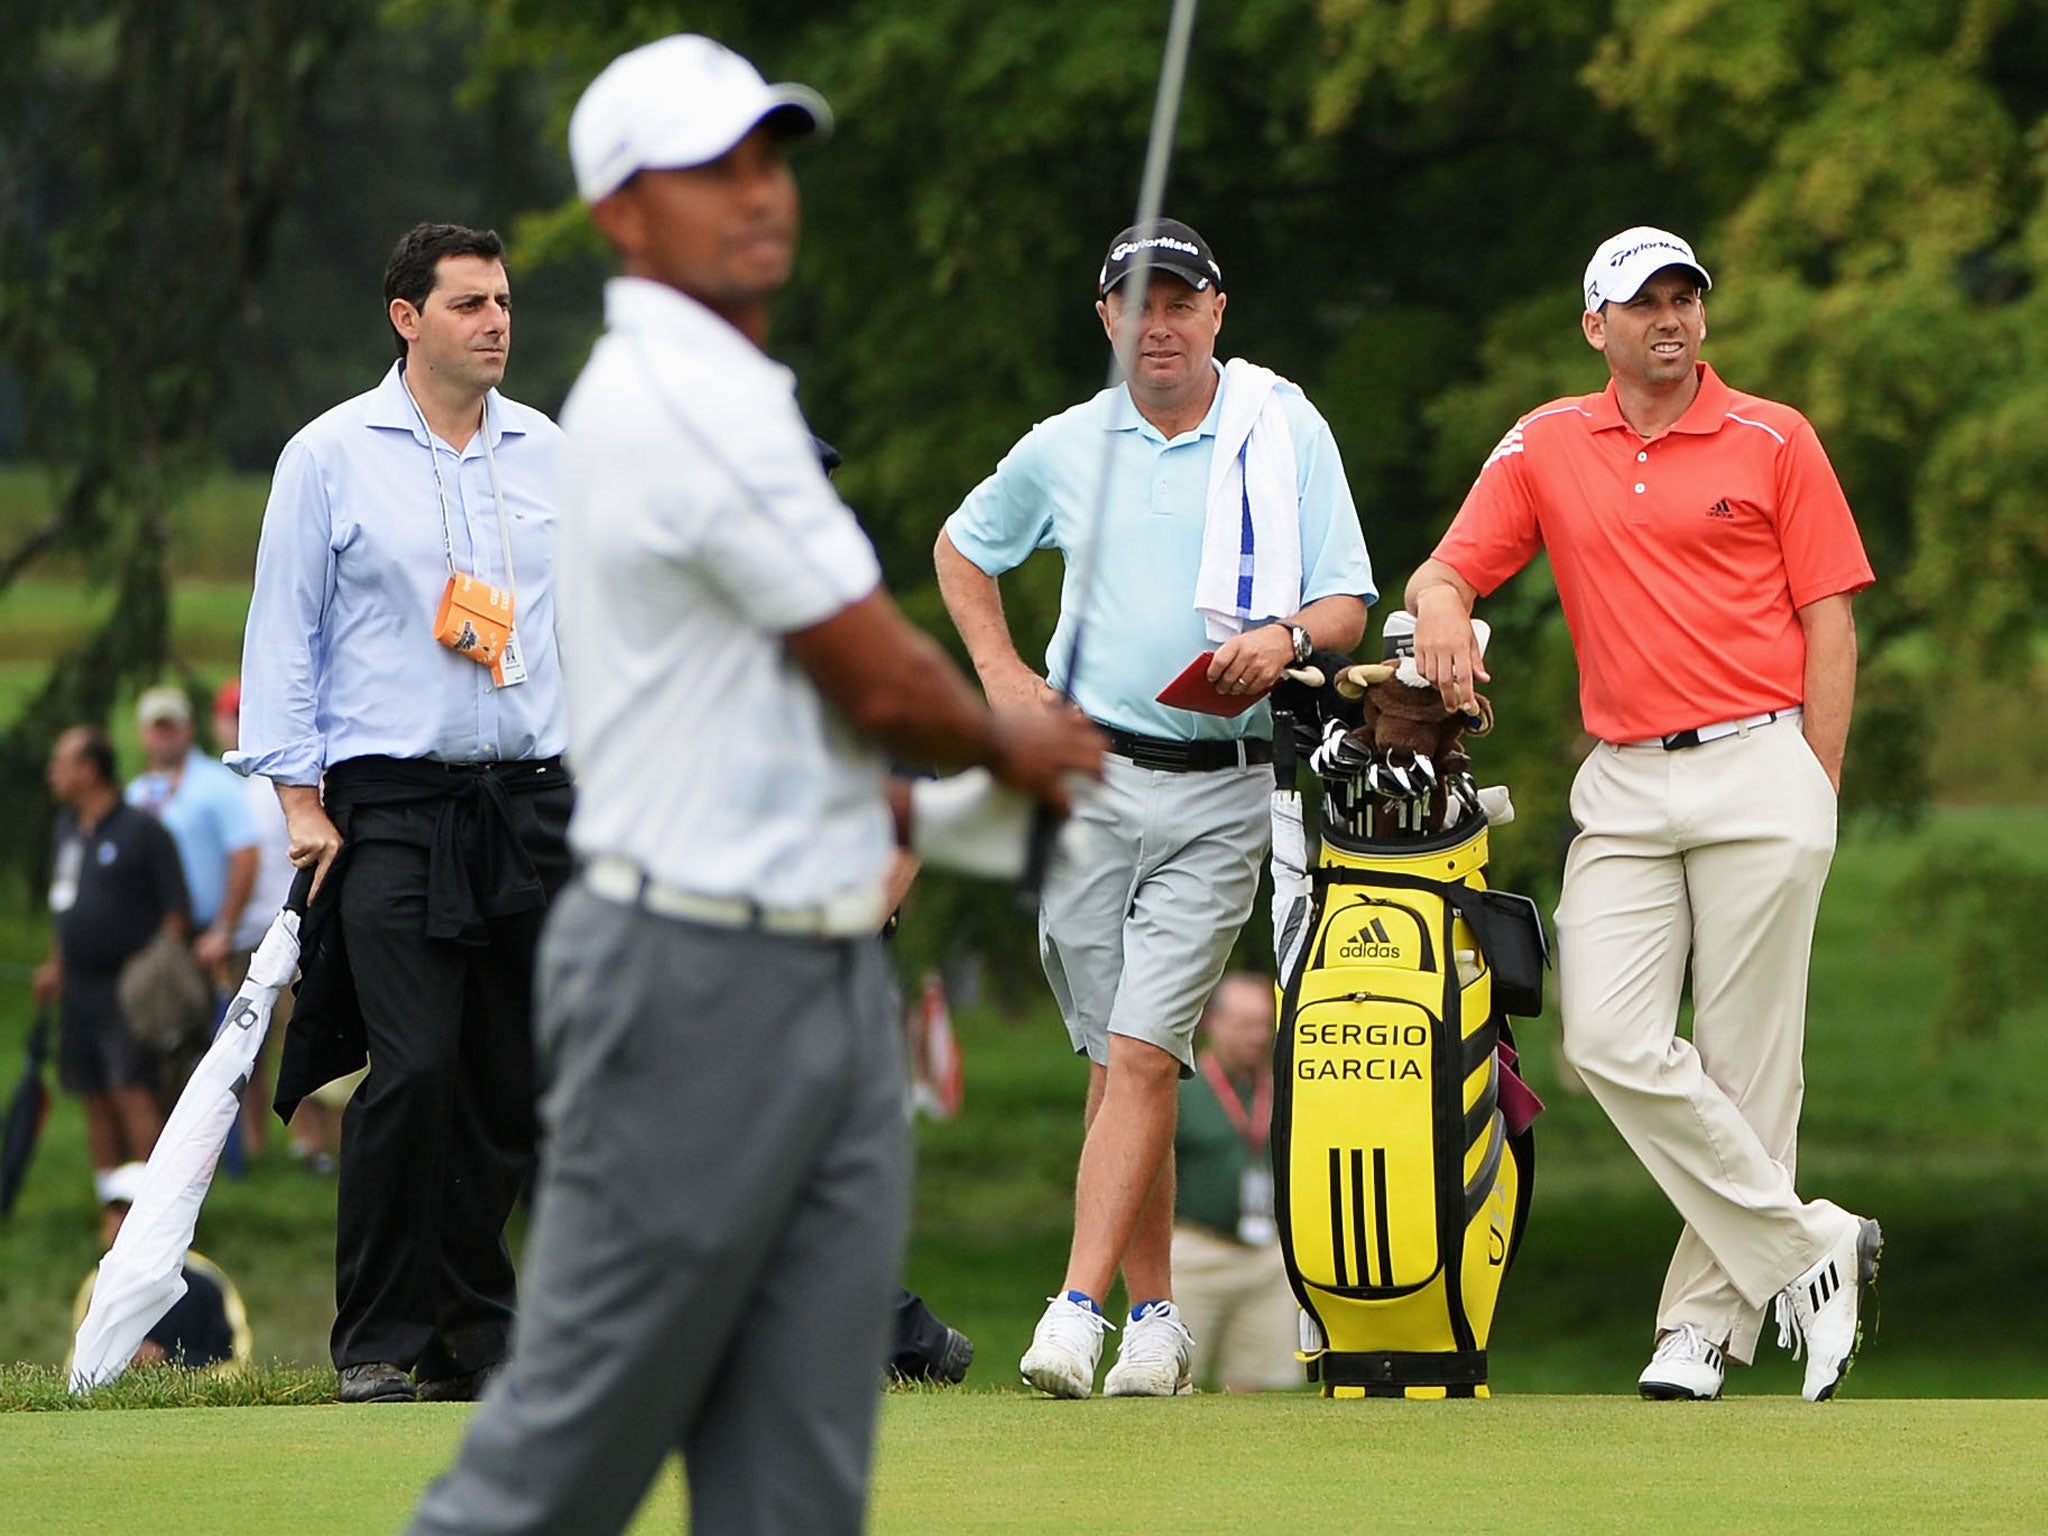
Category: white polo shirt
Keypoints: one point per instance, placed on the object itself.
(697, 531)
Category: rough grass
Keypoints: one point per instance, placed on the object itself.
(42, 1389)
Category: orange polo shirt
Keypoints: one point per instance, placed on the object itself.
(1682, 559)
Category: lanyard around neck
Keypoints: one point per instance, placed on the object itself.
(441, 489)
(1254, 1127)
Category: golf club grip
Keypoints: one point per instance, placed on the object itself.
(302, 890)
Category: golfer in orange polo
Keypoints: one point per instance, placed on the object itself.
(1705, 557)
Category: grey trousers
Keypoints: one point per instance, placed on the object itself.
(717, 1237)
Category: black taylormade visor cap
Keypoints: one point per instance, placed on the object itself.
(1173, 247)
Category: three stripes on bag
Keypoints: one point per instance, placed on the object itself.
(1382, 1237)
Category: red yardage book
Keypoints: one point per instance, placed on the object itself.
(1193, 690)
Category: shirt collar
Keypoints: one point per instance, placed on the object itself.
(1708, 410)
(642, 305)
(391, 409)
(1123, 411)
(1710, 407)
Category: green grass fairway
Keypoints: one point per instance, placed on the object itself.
(997, 1462)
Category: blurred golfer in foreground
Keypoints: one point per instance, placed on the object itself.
(721, 1212)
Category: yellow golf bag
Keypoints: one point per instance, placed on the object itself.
(1400, 1185)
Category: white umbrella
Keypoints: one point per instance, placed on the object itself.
(1292, 885)
(141, 1277)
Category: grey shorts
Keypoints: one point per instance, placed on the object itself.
(1135, 933)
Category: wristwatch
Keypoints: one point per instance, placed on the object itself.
(1304, 647)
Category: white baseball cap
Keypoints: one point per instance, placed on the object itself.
(679, 102)
(1623, 264)
(163, 705)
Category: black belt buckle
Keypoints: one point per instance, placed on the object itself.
(1158, 756)
(1147, 751)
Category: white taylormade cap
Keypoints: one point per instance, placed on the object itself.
(679, 102)
(1622, 265)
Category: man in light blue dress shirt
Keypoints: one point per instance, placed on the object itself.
(202, 805)
(1134, 938)
(416, 749)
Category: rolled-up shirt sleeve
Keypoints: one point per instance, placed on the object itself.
(282, 644)
(1006, 517)
(1334, 562)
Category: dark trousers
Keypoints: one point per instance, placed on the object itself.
(438, 1142)
(920, 1343)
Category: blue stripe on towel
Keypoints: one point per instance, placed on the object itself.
(1244, 559)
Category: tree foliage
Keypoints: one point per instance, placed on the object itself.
(1402, 193)
(148, 148)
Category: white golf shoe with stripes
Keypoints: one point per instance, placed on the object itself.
(1155, 1354)
(1065, 1347)
(1686, 1367)
(1821, 1311)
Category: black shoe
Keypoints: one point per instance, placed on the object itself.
(466, 1388)
(945, 1366)
(377, 1381)
(951, 1366)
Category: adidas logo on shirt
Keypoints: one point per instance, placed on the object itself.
(1721, 509)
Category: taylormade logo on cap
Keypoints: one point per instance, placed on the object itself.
(1624, 263)
(1171, 246)
(1157, 242)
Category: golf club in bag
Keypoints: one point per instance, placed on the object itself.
(1403, 1158)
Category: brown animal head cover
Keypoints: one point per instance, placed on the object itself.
(1398, 715)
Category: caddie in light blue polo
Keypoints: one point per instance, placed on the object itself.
(1227, 536)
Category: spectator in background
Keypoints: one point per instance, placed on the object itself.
(1227, 1271)
(115, 884)
(316, 1125)
(202, 804)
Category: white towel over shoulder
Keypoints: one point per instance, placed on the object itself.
(1251, 539)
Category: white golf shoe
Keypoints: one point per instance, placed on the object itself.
(1821, 1311)
(1153, 1359)
(1065, 1346)
(1685, 1368)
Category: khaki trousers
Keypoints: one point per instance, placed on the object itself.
(1238, 1305)
(1717, 853)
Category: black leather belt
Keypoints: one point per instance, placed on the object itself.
(514, 769)
(1186, 756)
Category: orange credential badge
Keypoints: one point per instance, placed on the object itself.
(474, 620)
